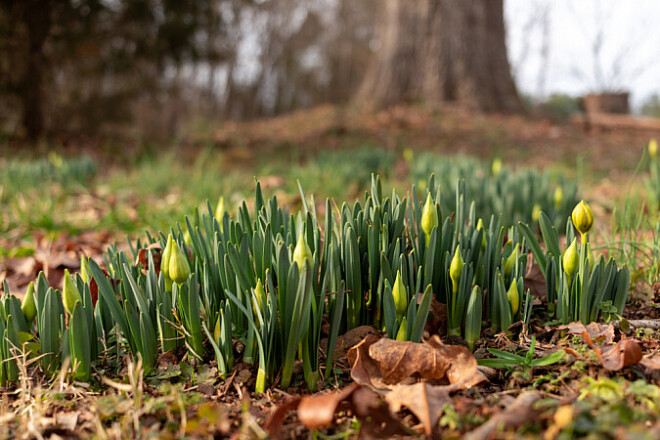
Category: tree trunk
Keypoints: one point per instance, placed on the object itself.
(37, 19)
(442, 50)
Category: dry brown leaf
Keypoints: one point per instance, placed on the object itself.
(276, 418)
(319, 410)
(600, 333)
(625, 353)
(464, 371)
(424, 400)
(520, 411)
(399, 360)
(652, 362)
(382, 363)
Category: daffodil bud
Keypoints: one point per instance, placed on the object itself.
(179, 269)
(429, 217)
(653, 148)
(510, 262)
(408, 154)
(456, 268)
(70, 293)
(302, 252)
(571, 260)
(583, 217)
(401, 334)
(165, 257)
(29, 308)
(400, 296)
(480, 226)
(187, 239)
(558, 196)
(496, 167)
(217, 330)
(536, 212)
(259, 298)
(220, 210)
(85, 271)
(513, 296)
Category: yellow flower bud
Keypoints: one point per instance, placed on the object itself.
(511, 261)
(220, 210)
(401, 335)
(165, 257)
(217, 330)
(536, 212)
(429, 217)
(583, 217)
(456, 268)
(258, 299)
(480, 226)
(653, 148)
(85, 271)
(408, 154)
(29, 308)
(496, 167)
(187, 239)
(571, 260)
(179, 269)
(302, 252)
(513, 297)
(558, 196)
(70, 293)
(400, 296)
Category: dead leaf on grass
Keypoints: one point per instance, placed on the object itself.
(319, 410)
(425, 401)
(520, 411)
(382, 363)
(600, 333)
(625, 353)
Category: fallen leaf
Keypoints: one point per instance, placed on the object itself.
(518, 412)
(276, 418)
(625, 353)
(399, 360)
(425, 401)
(382, 363)
(319, 410)
(600, 333)
(652, 362)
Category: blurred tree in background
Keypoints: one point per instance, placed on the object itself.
(142, 67)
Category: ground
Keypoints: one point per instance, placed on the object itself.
(46, 225)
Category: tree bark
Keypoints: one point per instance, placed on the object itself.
(442, 50)
(36, 15)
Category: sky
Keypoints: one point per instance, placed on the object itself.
(582, 46)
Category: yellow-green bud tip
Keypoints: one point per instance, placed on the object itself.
(511, 261)
(571, 260)
(217, 329)
(513, 297)
(28, 307)
(536, 212)
(583, 217)
(401, 335)
(456, 268)
(653, 148)
(558, 197)
(70, 293)
(165, 257)
(429, 216)
(220, 210)
(496, 166)
(400, 296)
(179, 269)
(302, 252)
